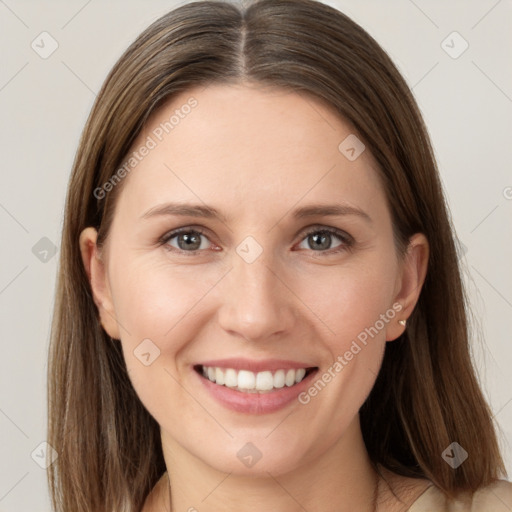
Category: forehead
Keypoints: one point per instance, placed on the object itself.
(244, 147)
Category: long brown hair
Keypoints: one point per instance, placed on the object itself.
(426, 395)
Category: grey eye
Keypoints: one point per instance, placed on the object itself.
(188, 241)
(320, 240)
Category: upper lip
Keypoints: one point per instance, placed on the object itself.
(254, 365)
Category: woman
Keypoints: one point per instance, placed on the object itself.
(259, 303)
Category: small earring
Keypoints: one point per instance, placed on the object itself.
(402, 322)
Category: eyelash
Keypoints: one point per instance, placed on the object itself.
(347, 240)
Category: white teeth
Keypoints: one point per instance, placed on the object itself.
(252, 382)
(246, 380)
(230, 378)
(299, 374)
(279, 379)
(264, 381)
(219, 376)
(289, 380)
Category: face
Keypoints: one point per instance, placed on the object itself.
(248, 249)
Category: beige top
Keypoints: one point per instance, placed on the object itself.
(496, 497)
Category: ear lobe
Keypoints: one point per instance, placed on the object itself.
(97, 275)
(410, 282)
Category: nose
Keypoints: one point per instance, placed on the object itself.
(256, 302)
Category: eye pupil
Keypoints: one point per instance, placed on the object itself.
(324, 240)
(190, 241)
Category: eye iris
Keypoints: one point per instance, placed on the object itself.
(190, 241)
(322, 238)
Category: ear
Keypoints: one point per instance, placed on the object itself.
(95, 269)
(409, 282)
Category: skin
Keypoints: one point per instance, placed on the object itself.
(255, 155)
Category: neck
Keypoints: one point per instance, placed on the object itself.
(340, 480)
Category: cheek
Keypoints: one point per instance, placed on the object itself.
(152, 297)
(157, 307)
(354, 304)
(348, 299)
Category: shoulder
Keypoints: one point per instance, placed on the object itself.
(496, 497)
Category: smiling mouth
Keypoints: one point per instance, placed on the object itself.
(247, 381)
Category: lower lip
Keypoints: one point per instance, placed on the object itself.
(255, 403)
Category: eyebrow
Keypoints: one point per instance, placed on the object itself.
(209, 212)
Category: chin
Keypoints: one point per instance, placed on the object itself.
(257, 456)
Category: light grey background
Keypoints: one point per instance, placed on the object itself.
(466, 102)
